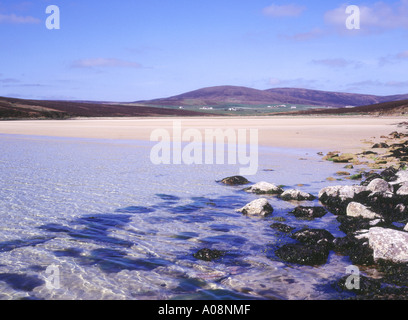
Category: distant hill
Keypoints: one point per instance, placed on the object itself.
(11, 108)
(222, 95)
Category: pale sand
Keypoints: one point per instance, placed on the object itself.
(346, 134)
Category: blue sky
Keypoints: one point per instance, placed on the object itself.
(135, 50)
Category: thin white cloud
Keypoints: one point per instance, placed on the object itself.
(294, 83)
(104, 63)
(393, 58)
(402, 55)
(288, 10)
(305, 36)
(15, 19)
(9, 80)
(337, 63)
(362, 85)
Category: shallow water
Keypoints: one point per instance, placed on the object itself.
(115, 226)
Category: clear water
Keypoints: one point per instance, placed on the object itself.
(118, 227)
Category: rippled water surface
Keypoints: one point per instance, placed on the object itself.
(118, 227)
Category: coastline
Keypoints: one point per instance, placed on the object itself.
(325, 133)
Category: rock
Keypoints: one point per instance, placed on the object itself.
(388, 244)
(282, 227)
(401, 208)
(366, 286)
(380, 145)
(308, 212)
(208, 254)
(401, 176)
(370, 177)
(344, 158)
(366, 153)
(303, 254)
(264, 188)
(397, 135)
(336, 198)
(380, 186)
(258, 207)
(403, 189)
(356, 176)
(319, 237)
(293, 194)
(357, 250)
(330, 155)
(349, 225)
(235, 180)
(355, 209)
(343, 173)
(342, 192)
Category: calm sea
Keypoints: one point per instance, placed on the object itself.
(95, 219)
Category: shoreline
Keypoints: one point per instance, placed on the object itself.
(349, 134)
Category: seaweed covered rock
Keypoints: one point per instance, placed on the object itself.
(319, 237)
(337, 198)
(282, 227)
(308, 212)
(380, 145)
(358, 250)
(208, 254)
(360, 285)
(303, 254)
(350, 225)
(343, 158)
(235, 180)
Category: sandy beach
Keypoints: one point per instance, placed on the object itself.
(325, 133)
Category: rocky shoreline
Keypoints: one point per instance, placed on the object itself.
(373, 215)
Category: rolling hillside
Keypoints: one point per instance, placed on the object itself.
(224, 95)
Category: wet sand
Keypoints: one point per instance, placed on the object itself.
(325, 133)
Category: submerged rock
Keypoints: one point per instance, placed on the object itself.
(235, 180)
(366, 286)
(264, 188)
(303, 254)
(308, 212)
(282, 227)
(297, 195)
(258, 207)
(319, 237)
(357, 250)
(208, 254)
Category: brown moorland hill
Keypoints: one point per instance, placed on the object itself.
(12, 108)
